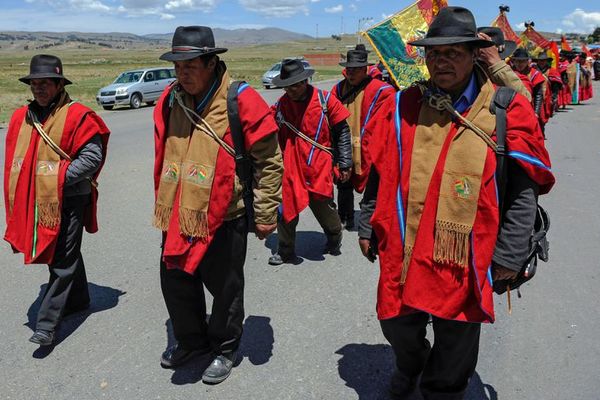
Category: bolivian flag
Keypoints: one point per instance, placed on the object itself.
(389, 38)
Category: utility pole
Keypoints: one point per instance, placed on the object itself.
(317, 34)
(360, 22)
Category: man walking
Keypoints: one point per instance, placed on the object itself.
(313, 136)
(433, 201)
(199, 198)
(362, 95)
(55, 149)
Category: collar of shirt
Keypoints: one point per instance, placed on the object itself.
(467, 98)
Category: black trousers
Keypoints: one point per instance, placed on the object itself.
(221, 271)
(345, 201)
(67, 287)
(445, 368)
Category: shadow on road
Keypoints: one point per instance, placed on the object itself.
(256, 345)
(309, 244)
(368, 368)
(102, 298)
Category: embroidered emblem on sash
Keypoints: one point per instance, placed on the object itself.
(463, 188)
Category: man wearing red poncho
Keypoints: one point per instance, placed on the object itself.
(55, 149)
(543, 63)
(199, 204)
(433, 200)
(362, 95)
(314, 137)
(521, 62)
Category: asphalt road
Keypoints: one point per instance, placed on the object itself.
(311, 330)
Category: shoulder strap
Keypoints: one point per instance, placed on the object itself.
(500, 102)
(323, 101)
(243, 166)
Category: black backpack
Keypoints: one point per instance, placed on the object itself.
(538, 242)
(243, 164)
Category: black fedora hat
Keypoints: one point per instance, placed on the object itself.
(292, 71)
(520, 54)
(453, 25)
(356, 59)
(45, 66)
(191, 42)
(542, 56)
(505, 47)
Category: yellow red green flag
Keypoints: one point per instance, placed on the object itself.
(390, 38)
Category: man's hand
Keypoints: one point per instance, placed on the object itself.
(365, 248)
(504, 274)
(488, 55)
(262, 231)
(344, 175)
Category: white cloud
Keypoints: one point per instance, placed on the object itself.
(335, 9)
(520, 26)
(581, 21)
(203, 5)
(277, 8)
(353, 7)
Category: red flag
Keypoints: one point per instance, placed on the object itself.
(585, 50)
(502, 22)
(536, 38)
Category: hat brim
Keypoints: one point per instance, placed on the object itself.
(42, 75)
(355, 64)
(446, 40)
(189, 55)
(307, 73)
(509, 48)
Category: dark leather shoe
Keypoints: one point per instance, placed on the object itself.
(333, 246)
(42, 337)
(175, 356)
(219, 369)
(278, 259)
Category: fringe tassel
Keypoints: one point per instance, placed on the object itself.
(405, 262)
(193, 223)
(451, 244)
(49, 214)
(162, 217)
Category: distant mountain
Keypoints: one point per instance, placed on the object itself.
(224, 37)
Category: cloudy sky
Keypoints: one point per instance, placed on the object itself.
(306, 16)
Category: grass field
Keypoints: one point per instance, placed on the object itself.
(94, 67)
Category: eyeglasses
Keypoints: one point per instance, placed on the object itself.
(452, 55)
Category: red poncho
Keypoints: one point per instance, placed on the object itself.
(375, 94)
(431, 287)
(81, 125)
(257, 123)
(307, 170)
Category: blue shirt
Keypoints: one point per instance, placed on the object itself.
(467, 98)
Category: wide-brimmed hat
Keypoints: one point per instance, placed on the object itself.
(356, 59)
(292, 71)
(190, 42)
(45, 66)
(453, 25)
(520, 54)
(542, 56)
(505, 47)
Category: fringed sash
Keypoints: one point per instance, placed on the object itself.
(461, 178)
(189, 164)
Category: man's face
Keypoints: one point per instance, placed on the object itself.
(44, 90)
(194, 76)
(521, 65)
(356, 75)
(450, 66)
(297, 91)
(543, 64)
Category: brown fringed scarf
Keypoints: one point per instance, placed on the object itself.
(47, 164)
(190, 161)
(354, 104)
(461, 179)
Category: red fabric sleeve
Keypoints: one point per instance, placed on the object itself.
(256, 117)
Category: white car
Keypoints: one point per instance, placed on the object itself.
(135, 87)
(275, 70)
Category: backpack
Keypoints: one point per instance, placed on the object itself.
(538, 242)
(243, 164)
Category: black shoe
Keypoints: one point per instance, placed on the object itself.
(42, 337)
(175, 356)
(349, 224)
(219, 369)
(278, 259)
